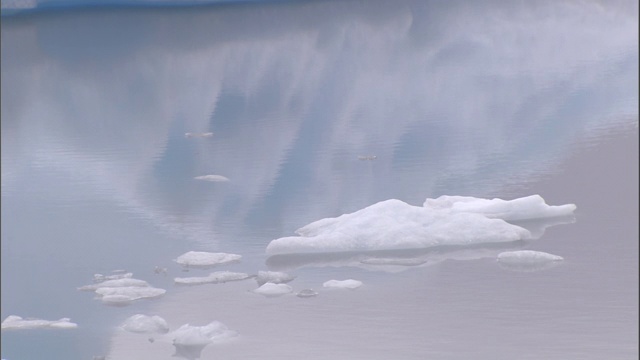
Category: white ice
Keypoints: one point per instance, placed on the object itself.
(188, 335)
(393, 224)
(525, 208)
(13, 322)
(203, 259)
(527, 257)
(100, 278)
(343, 284)
(271, 289)
(275, 277)
(121, 282)
(145, 324)
(213, 278)
(214, 178)
(122, 294)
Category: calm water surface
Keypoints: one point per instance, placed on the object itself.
(483, 99)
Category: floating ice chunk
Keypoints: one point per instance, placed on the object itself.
(275, 277)
(145, 324)
(343, 284)
(367, 157)
(271, 289)
(528, 260)
(13, 322)
(213, 278)
(123, 282)
(189, 341)
(530, 207)
(190, 135)
(392, 225)
(206, 259)
(117, 300)
(306, 293)
(132, 292)
(215, 178)
(100, 278)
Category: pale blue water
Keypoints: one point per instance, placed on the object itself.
(460, 98)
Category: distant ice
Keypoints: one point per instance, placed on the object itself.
(213, 278)
(214, 178)
(206, 259)
(121, 282)
(393, 224)
(272, 290)
(100, 278)
(13, 322)
(306, 293)
(125, 295)
(275, 277)
(343, 284)
(145, 324)
(530, 207)
(527, 260)
(198, 135)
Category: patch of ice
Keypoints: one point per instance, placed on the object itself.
(206, 259)
(527, 257)
(275, 277)
(100, 278)
(343, 284)
(272, 290)
(14, 322)
(213, 278)
(306, 293)
(145, 324)
(189, 341)
(529, 207)
(198, 135)
(213, 178)
(132, 292)
(122, 282)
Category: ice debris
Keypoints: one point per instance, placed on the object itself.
(214, 178)
(343, 284)
(122, 291)
(275, 277)
(272, 290)
(144, 324)
(306, 293)
(206, 259)
(14, 322)
(198, 135)
(393, 225)
(123, 282)
(119, 275)
(213, 278)
(189, 341)
(527, 260)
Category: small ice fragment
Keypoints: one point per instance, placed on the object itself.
(117, 300)
(272, 290)
(215, 178)
(160, 270)
(527, 260)
(343, 284)
(206, 134)
(204, 259)
(144, 324)
(189, 341)
(367, 157)
(124, 282)
(305, 293)
(275, 277)
(213, 278)
(14, 322)
(100, 278)
(132, 292)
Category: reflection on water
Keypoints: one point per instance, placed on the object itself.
(110, 116)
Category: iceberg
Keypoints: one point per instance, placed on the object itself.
(14, 322)
(144, 324)
(213, 278)
(343, 284)
(206, 259)
(527, 260)
(274, 277)
(100, 278)
(272, 290)
(127, 294)
(393, 225)
(307, 293)
(122, 282)
(213, 178)
(189, 341)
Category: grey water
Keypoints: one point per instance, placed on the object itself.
(318, 109)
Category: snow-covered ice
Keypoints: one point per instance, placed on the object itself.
(527, 260)
(189, 340)
(206, 259)
(145, 324)
(213, 178)
(393, 224)
(120, 275)
(14, 322)
(306, 293)
(198, 135)
(271, 289)
(122, 282)
(213, 278)
(343, 284)
(127, 294)
(529, 207)
(275, 277)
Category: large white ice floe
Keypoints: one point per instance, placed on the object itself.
(343, 284)
(144, 324)
(122, 282)
(272, 290)
(206, 259)
(527, 260)
(275, 277)
(121, 291)
(213, 278)
(393, 225)
(14, 322)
